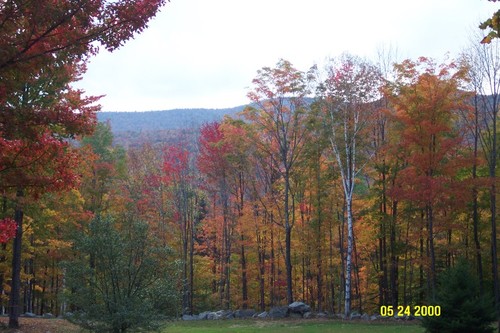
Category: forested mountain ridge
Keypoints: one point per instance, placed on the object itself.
(165, 119)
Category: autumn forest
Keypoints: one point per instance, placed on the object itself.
(348, 186)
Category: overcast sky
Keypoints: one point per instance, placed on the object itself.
(205, 53)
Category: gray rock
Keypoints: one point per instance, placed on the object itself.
(228, 314)
(221, 314)
(278, 312)
(247, 313)
(299, 307)
(204, 315)
(295, 315)
(355, 315)
(263, 315)
(308, 315)
(48, 315)
(321, 315)
(376, 317)
(29, 315)
(190, 317)
(365, 316)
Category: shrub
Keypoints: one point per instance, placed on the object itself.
(120, 279)
(463, 307)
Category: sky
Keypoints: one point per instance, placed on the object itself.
(205, 53)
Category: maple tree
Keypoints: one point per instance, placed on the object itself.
(426, 99)
(35, 124)
(213, 163)
(44, 48)
(279, 95)
(493, 25)
(38, 35)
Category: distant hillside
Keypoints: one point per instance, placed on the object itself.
(151, 121)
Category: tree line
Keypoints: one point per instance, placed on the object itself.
(348, 186)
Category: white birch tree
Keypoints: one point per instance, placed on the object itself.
(346, 94)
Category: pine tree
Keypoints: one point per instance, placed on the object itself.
(463, 307)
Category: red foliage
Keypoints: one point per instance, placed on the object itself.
(8, 229)
(175, 163)
(213, 151)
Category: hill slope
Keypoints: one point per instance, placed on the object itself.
(163, 120)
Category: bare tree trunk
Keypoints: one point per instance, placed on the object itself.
(348, 263)
(15, 300)
(288, 241)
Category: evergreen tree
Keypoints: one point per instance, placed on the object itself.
(463, 308)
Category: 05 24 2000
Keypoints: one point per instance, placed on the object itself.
(410, 310)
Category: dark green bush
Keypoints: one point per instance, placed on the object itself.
(121, 279)
(464, 309)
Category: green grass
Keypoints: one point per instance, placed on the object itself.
(288, 326)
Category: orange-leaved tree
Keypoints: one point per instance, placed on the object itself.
(425, 98)
(279, 113)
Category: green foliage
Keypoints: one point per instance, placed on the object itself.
(120, 279)
(463, 307)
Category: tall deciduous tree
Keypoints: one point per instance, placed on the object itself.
(36, 122)
(213, 163)
(345, 96)
(279, 113)
(484, 72)
(426, 99)
(39, 34)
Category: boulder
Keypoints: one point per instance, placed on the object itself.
(321, 315)
(29, 315)
(308, 315)
(263, 315)
(48, 315)
(299, 307)
(365, 316)
(221, 314)
(355, 315)
(189, 317)
(278, 312)
(204, 315)
(247, 313)
(212, 316)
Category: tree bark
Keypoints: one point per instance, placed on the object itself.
(15, 297)
(348, 264)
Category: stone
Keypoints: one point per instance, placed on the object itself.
(48, 315)
(263, 315)
(278, 312)
(299, 307)
(29, 315)
(308, 315)
(189, 317)
(221, 314)
(295, 315)
(339, 316)
(204, 315)
(247, 313)
(365, 316)
(355, 315)
(321, 315)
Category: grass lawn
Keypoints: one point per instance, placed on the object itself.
(288, 326)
